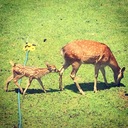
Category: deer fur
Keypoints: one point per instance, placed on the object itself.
(19, 71)
(89, 52)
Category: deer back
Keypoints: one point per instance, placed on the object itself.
(86, 51)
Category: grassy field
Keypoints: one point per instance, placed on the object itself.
(59, 22)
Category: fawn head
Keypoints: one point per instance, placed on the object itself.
(52, 68)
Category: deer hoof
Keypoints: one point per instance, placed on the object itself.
(22, 92)
(95, 91)
(61, 89)
(6, 90)
(44, 91)
(82, 93)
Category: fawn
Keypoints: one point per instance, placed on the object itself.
(19, 71)
(89, 52)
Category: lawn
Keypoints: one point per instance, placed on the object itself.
(50, 24)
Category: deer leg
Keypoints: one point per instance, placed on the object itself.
(8, 81)
(104, 76)
(39, 80)
(29, 83)
(60, 78)
(65, 66)
(15, 79)
(60, 82)
(96, 76)
(75, 67)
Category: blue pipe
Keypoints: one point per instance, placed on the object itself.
(19, 108)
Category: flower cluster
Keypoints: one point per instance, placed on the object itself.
(29, 47)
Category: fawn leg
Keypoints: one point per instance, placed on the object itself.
(8, 81)
(39, 80)
(75, 67)
(29, 83)
(15, 79)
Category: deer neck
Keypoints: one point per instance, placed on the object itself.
(115, 68)
(113, 64)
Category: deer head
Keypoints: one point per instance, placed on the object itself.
(51, 68)
(119, 76)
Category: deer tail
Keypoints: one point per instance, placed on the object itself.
(12, 63)
(62, 52)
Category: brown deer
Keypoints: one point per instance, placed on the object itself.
(89, 52)
(19, 71)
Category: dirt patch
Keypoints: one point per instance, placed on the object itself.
(123, 95)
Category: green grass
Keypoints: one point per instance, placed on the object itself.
(61, 21)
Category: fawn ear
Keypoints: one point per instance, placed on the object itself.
(47, 64)
(123, 69)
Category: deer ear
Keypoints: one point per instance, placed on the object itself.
(123, 69)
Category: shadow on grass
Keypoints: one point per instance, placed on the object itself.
(89, 86)
(126, 94)
(72, 87)
(37, 91)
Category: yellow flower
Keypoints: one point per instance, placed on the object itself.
(29, 47)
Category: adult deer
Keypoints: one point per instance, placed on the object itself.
(89, 52)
